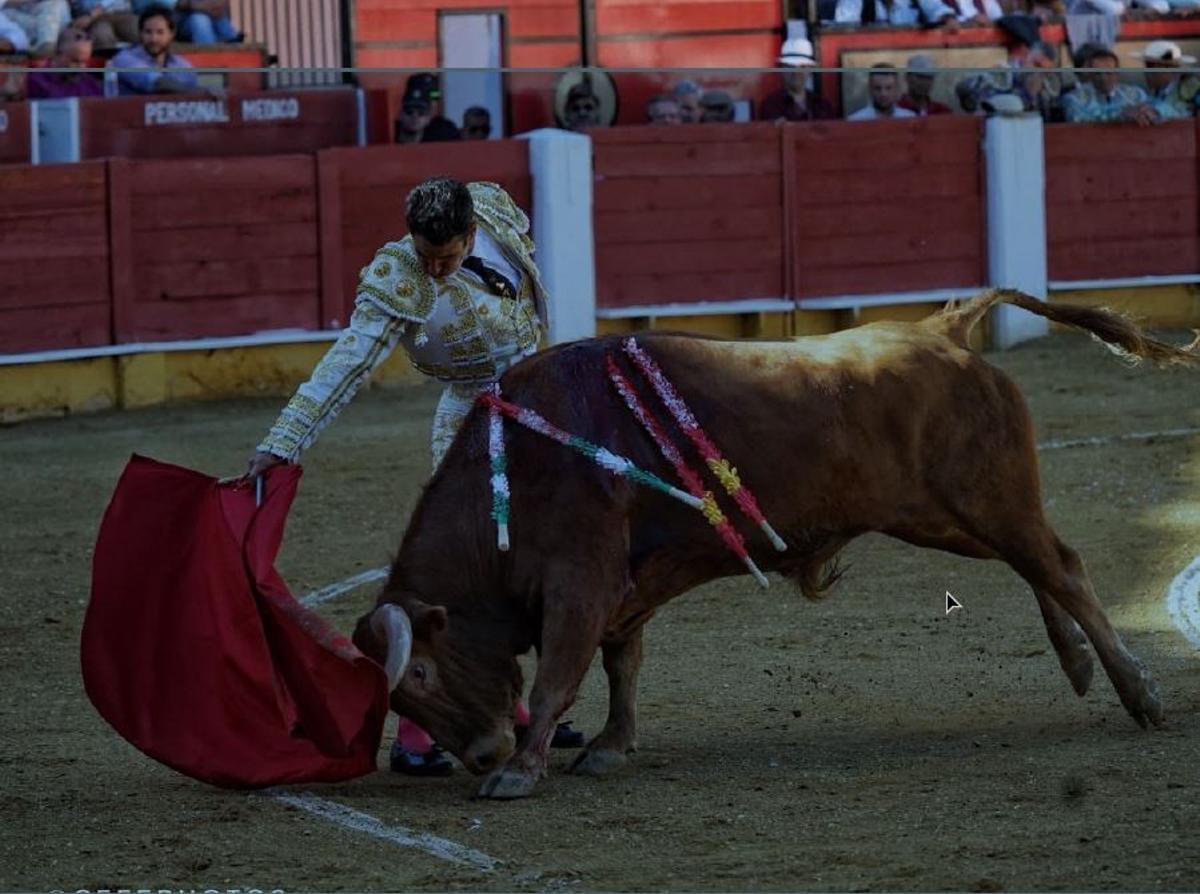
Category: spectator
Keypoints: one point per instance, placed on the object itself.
(902, 13)
(12, 36)
(795, 100)
(663, 109)
(107, 22)
(1102, 98)
(155, 68)
(416, 111)
(581, 112)
(440, 130)
(883, 83)
(977, 12)
(477, 123)
(716, 107)
(687, 96)
(41, 20)
(919, 76)
(74, 51)
(1027, 77)
(198, 21)
(1171, 95)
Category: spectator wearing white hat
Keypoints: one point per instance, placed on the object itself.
(919, 77)
(883, 83)
(1171, 95)
(795, 100)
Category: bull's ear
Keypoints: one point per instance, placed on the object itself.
(428, 621)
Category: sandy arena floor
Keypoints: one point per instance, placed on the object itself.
(867, 742)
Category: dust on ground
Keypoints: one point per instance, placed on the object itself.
(866, 742)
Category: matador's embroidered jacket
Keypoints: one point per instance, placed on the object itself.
(453, 329)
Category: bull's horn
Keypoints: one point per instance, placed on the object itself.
(390, 623)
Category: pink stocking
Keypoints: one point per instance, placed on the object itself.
(412, 737)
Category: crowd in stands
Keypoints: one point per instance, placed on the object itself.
(88, 36)
(1030, 82)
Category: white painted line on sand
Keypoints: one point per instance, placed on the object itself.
(316, 597)
(1099, 440)
(442, 848)
(1183, 602)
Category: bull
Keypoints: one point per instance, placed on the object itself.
(892, 427)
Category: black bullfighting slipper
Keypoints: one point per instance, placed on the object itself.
(433, 762)
(564, 736)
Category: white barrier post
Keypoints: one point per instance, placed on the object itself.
(1016, 222)
(561, 166)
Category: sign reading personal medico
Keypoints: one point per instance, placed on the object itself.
(268, 123)
(217, 111)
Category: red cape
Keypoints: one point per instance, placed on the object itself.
(195, 651)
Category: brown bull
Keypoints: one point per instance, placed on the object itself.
(891, 427)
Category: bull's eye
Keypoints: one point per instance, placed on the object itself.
(418, 673)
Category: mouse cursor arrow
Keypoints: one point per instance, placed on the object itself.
(951, 603)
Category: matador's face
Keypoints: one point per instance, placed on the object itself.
(439, 261)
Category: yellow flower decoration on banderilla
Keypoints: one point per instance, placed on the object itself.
(711, 510)
(726, 474)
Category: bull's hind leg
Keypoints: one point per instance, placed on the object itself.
(1055, 570)
(608, 750)
(1067, 637)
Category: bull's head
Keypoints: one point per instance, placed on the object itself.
(459, 684)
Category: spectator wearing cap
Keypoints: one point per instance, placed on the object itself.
(41, 21)
(1171, 95)
(74, 52)
(687, 94)
(716, 107)
(477, 123)
(1103, 98)
(107, 22)
(919, 76)
(900, 13)
(198, 21)
(883, 84)
(416, 111)
(581, 111)
(151, 67)
(795, 100)
(663, 109)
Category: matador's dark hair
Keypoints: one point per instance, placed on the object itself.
(439, 210)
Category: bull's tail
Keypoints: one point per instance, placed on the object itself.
(1119, 333)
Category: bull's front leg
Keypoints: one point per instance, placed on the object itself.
(571, 632)
(607, 752)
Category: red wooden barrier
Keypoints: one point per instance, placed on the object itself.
(271, 123)
(1121, 201)
(362, 195)
(213, 247)
(54, 252)
(15, 138)
(687, 215)
(885, 206)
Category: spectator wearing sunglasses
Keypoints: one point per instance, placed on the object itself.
(477, 123)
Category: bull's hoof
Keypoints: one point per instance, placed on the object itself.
(1142, 701)
(1077, 664)
(505, 785)
(598, 762)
